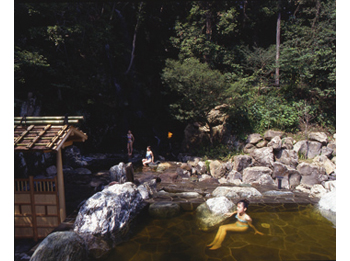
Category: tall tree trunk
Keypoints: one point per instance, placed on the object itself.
(208, 28)
(278, 42)
(134, 39)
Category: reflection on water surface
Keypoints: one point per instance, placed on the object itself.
(292, 232)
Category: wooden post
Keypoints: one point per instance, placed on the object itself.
(32, 201)
(61, 195)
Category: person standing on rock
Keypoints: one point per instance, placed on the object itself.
(130, 143)
(243, 223)
(149, 157)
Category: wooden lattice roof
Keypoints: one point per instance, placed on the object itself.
(46, 133)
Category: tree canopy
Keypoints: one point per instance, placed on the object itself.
(133, 64)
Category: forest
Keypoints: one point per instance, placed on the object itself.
(155, 66)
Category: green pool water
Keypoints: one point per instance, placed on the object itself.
(292, 232)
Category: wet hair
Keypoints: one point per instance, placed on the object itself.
(245, 203)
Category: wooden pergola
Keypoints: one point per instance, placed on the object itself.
(49, 134)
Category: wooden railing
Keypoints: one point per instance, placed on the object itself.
(36, 207)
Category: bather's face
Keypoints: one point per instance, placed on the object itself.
(240, 208)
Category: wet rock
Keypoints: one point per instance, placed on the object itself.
(164, 209)
(163, 166)
(212, 212)
(83, 171)
(103, 220)
(65, 245)
(122, 173)
(169, 177)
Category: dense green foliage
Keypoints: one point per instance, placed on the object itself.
(130, 65)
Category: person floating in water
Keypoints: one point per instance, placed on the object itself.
(130, 143)
(149, 157)
(242, 224)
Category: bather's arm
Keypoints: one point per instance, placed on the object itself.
(230, 214)
(252, 226)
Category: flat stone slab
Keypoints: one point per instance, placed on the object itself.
(274, 193)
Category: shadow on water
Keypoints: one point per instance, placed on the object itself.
(291, 232)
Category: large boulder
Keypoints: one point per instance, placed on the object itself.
(318, 136)
(212, 212)
(332, 145)
(327, 206)
(287, 143)
(326, 151)
(290, 178)
(326, 163)
(287, 157)
(63, 245)
(311, 174)
(122, 173)
(241, 162)
(275, 143)
(263, 157)
(217, 169)
(270, 134)
(218, 115)
(103, 220)
(254, 138)
(249, 148)
(253, 174)
(236, 192)
(233, 175)
(309, 149)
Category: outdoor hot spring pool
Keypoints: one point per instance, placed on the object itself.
(292, 232)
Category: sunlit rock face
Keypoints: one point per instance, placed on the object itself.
(212, 213)
(104, 219)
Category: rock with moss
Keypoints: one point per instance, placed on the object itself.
(164, 210)
(63, 245)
